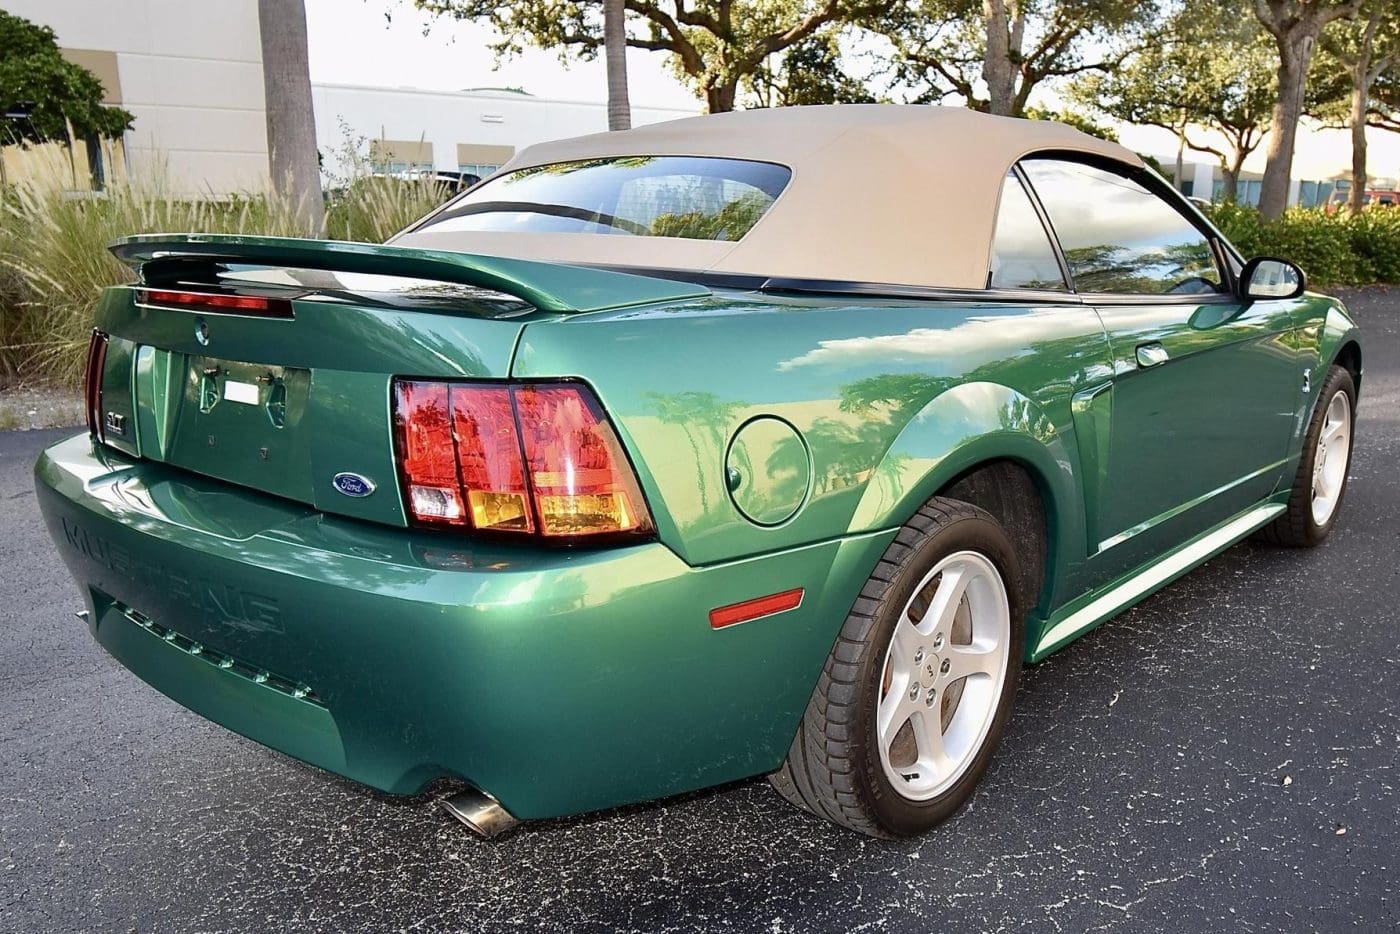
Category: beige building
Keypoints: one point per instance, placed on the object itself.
(191, 74)
(403, 130)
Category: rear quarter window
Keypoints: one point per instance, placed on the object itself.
(1022, 255)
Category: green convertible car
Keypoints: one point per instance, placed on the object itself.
(770, 442)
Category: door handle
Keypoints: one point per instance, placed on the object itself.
(1151, 354)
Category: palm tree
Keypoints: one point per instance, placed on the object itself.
(291, 125)
(615, 50)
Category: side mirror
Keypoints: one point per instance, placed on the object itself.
(1267, 277)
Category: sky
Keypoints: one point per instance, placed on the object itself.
(353, 42)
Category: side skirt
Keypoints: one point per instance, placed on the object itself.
(1083, 614)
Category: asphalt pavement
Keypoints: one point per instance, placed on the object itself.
(1223, 757)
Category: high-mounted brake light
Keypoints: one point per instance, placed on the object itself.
(534, 459)
(92, 382)
(217, 302)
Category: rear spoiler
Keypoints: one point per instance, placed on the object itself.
(553, 287)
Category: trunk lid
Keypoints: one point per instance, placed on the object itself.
(268, 362)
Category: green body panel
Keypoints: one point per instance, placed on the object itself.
(780, 441)
(556, 681)
(854, 378)
(242, 701)
(1328, 331)
(1185, 432)
(335, 363)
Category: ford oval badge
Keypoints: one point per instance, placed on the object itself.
(352, 484)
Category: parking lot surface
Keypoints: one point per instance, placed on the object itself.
(1222, 757)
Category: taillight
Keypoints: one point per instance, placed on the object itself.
(534, 459)
(92, 382)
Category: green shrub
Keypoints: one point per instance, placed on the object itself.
(1242, 225)
(1333, 249)
(374, 208)
(1322, 244)
(53, 248)
(54, 261)
(1375, 238)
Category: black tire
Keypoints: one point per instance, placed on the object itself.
(833, 768)
(1296, 527)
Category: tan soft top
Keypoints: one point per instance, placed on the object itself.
(879, 193)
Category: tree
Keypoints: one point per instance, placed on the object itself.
(1213, 71)
(955, 48)
(1005, 30)
(1080, 121)
(1385, 101)
(808, 73)
(1351, 58)
(57, 94)
(615, 50)
(715, 45)
(291, 124)
(1295, 26)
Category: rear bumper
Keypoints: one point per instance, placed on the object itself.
(558, 682)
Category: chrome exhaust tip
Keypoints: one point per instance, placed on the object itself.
(479, 811)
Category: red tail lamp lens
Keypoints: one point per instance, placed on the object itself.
(536, 459)
(219, 302)
(92, 382)
(433, 488)
(488, 454)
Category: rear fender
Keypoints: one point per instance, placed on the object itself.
(972, 424)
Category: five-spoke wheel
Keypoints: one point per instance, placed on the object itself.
(918, 688)
(1332, 454)
(942, 675)
(1321, 480)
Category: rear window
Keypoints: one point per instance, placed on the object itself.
(692, 198)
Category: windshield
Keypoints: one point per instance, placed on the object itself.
(690, 197)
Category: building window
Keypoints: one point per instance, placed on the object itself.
(481, 159)
(401, 157)
(402, 168)
(1246, 191)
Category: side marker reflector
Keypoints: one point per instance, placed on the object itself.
(752, 609)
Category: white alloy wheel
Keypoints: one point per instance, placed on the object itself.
(943, 675)
(1331, 458)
